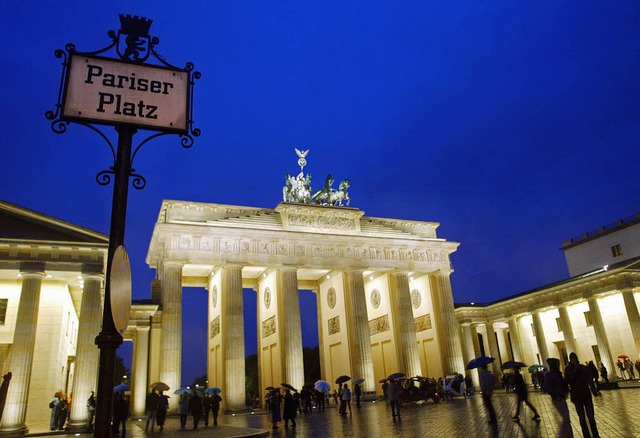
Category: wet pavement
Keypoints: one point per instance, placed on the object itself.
(617, 413)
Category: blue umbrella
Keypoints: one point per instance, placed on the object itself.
(212, 391)
(395, 376)
(121, 387)
(322, 386)
(181, 391)
(479, 362)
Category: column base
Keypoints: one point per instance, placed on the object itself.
(76, 426)
(14, 430)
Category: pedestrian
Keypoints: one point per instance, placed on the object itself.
(620, 366)
(604, 373)
(629, 367)
(320, 400)
(215, 407)
(357, 391)
(91, 410)
(63, 410)
(289, 410)
(274, 399)
(487, 384)
(163, 406)
(195, 408)
(578, 377)
(346, 399)
(593, 370)
(638, 366)
(555, 385)
(151, 407)
(120, 415)
(296, 399)
(206, 408)
(468, 385)
(335, 396)
(54, 405)
(184, 409)
(523, 396)
(393, 394)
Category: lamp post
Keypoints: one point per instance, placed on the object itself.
(159, 98)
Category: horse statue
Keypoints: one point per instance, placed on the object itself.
(322, 196)
(337, 197)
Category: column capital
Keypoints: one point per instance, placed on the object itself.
(287, 268)
(173, 263)
(442, 273)
(32, 268)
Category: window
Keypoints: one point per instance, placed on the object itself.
(558, 324)
(3, 309)
(587, 318)
(616, 250)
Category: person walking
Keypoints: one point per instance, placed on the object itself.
(321, 400)
(487, 384)
(578, 377)
(628, 366)
(54, 405)
(521, 391)
(215, 407)
(620, 366)
(195, 408)
(120, 415)
(556, 387)
(638, 366)
(91, 410)
(346, 399)
(290, 409)
(595, 375)
(393, 394)
(163, 406)
(151, 407)
(274, 399)
(184, 409)
(206, 408)
(357, 391)
(604, 373)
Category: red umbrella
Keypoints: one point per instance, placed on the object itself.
(623, 356)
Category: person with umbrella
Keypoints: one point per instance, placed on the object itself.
(357, 390)
(555, 385)
(393, 394)
(195, 407)
(290, 409)
(151, 407)
(163, 406)
(274, 399)
(487, 384)
(346, 399)
(520, 388)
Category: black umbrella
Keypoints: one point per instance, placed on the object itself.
(480, 361)
(340, 380)
(269, 388)
(395, 376)
(513, 364)
(286, 385)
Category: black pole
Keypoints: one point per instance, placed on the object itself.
(109, 339)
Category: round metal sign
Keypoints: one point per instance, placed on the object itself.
(120, 282)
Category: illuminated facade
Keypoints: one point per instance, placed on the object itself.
(593, 313)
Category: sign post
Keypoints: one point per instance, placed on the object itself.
(130, 95)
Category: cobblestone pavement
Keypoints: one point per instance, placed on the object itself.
(617, 412)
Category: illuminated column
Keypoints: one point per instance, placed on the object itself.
(232, 330)
(634, 318)
(21, 355)
(601, 335)
(358, 329)
(541, 340)
(469, 350)
(502, 345)
(514, 335)
(139, 371)
(289, 327)
(446, 322)
(567, 330)
(493, 348)
(85, 377)
(404, 325)
(171, 343)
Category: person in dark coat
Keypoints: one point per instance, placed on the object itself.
(151, 407)
(556, 387)
(274, 399)
(206, 408)
(163, 406)
(520, 388)
(290, 409)
(215, 407)
(357, 391)
(184, 409)
(393, 394)
(487, 384)
(578, 378)
(595, 376)
(120, 415)
(320, 399)
(195, 408)
(604, 373)
(91, 410)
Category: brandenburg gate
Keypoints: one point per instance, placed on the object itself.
(384, 300)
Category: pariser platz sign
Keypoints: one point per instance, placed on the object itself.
(110, 91)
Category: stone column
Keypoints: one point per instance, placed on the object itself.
(139, 371)
(85, 378)
(446, 323)
(567, 330)
(469, 350)
(232, 331)
(601, 336)
(493, 349)
(633, 315)
(514, 335)
(21, 356)
(404, 325)
(171, 342)
(541, 340)
(358, 329)
(290, 327)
